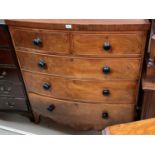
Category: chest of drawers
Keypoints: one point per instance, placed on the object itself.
(81, 73)
(12, 92)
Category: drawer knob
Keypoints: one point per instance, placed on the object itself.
(37, 42)
(51, 107)
(46, 86)
(42, 64)
(106, 46)
(105, 115)
(106, 69)
(106, 92)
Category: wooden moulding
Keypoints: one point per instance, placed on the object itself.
(83, 24)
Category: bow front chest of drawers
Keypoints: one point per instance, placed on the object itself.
(81, 73)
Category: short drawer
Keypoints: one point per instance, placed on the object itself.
(11, 89)
(6, 56)
(13, 104)
(44, 41)
(82, 116)
(108, 44)
(9, 73)
(82, 68)
(81, 90)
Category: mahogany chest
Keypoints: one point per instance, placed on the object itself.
(81, 73)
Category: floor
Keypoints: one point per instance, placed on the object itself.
(11, 124)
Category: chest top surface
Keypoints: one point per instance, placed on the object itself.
(83, 24)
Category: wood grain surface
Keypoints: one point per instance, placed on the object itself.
(81, 90)
(144, 127)
(81, 68)
(83, 43)
(92, 44)
(52, 42)
(82, 116)
(83, 24)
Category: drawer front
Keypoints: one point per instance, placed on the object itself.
(4, 37)
(6, 56)
(13, 104)
(9, 74)
(81, 90)
(82, 68)
(108, 44)
(11, 89)
(46, 41)
(82, 116)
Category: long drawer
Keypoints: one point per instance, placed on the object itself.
(81, 90)
(83, 68)
(13, 104)
(82, 116)
(44, 40)
(108, 43)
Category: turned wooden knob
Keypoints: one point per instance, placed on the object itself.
(106, 69)
(105, 115)
(106, 92)
(37, 42)
(106, 46)
(42, 64)
(51, 107)
(46, 86)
